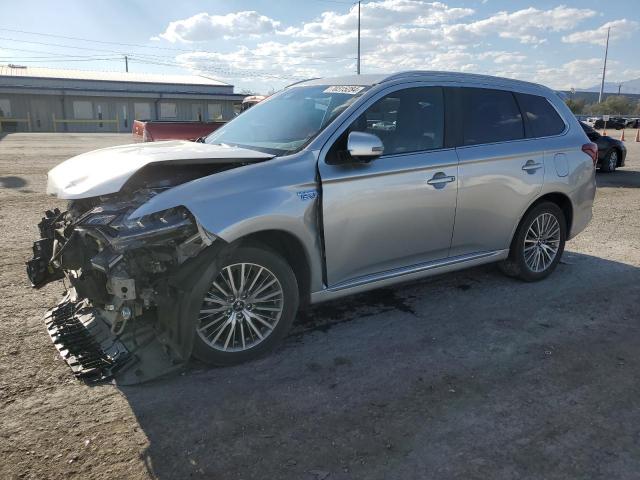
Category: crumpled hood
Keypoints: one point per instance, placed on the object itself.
(105, 171)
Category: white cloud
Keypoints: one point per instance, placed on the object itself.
(527, 25)
(203, 27)
(619, 29)
(396, 35)
(379, 15)
(581, 73)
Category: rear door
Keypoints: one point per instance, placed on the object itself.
(500, 172)
(397, 210)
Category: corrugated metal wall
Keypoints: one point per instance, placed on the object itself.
(41, 110)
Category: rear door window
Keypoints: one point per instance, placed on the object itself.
(542, 118)
(490, 116)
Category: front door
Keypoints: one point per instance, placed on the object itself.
(398, 210)
(41, 116)
(124, 122)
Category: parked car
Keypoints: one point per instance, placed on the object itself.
(250, 101)
(632, 123)
(611, 152)
(180, 248)
(156, 130)
(615, 123)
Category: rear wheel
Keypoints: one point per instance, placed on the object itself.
(248, 309)
(610, 162)
(538, 243)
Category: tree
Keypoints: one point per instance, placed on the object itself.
(576, 105)
(613, 105)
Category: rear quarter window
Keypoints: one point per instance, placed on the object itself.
(542, 120)
(490, 116)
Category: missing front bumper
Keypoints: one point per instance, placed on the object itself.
(95, 354)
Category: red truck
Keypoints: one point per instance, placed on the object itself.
(156, 130)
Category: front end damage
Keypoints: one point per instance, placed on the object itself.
(134, 287)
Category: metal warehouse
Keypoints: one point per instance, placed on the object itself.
(50, 100)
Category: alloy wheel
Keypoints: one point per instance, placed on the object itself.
(613, 160)
(542, 242)
(241, 308)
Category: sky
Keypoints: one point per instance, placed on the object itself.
(263, 45)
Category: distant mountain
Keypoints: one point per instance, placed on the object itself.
(630, 86)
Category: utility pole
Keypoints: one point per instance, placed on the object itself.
(358, 70)
(126, 64)
(604, 68)
(619, 88)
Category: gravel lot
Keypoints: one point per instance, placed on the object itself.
(469, 375)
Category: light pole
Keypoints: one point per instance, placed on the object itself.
(604, 68)
(358, 68)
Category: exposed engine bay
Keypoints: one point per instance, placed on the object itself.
(131, 284)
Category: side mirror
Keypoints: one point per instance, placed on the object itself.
(364, 146)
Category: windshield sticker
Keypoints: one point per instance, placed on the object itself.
(348, 89)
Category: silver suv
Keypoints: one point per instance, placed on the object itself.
(327, 188)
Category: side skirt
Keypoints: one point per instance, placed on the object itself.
(406, 274)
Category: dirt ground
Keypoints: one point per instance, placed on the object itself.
(469, 375)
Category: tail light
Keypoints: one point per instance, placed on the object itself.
(591, 149)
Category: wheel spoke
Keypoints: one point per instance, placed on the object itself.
(253, 327)
(249, 289)
(261, 319)
(232, 330)
(222, 317)
(222, 290)
(230, 282)
(264, 287)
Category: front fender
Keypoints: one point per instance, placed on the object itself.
(275, 192)
(278, 194)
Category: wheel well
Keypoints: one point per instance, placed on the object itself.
(562, 201)
(291, 249)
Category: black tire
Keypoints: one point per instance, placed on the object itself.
(515, 265)
(276, 265)
(610, 161)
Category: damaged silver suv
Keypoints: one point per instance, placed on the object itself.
(328, 188)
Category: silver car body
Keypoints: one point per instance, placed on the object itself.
(381, 222)
(148, 226)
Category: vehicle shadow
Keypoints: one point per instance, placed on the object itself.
(470, 374)
(12, 182)
(619, 178)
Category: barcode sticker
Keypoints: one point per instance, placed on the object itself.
(348, 89)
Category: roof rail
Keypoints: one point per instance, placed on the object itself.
(302, 81)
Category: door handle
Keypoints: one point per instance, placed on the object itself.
(531, 166)
(440, 179)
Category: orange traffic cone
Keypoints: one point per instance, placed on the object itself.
(622, 136)
(604, 129)
(637, 134)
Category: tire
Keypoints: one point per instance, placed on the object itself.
(216, 344)
(610, 161)
(519, 262)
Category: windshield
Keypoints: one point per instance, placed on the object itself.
(286, 122)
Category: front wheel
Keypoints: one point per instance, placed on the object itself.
(248, 309)
(538, 243)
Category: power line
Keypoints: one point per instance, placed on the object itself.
(10, 59)
(156, 47)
